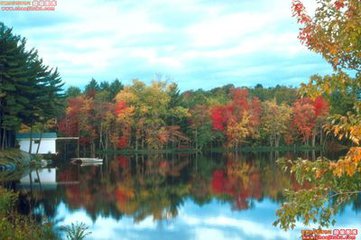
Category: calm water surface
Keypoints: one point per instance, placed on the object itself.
(223, 196)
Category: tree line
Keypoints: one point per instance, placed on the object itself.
(158, 116)
(109, 115)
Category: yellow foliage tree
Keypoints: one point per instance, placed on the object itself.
(335, 32)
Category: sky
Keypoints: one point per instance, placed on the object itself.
(195, 43)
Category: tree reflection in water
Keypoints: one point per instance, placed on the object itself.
(157, 186)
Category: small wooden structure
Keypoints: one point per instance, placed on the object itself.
(87, 160)
(46, 142)
(91, 164)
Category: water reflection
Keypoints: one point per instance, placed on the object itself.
(39, 178)
(222, 196)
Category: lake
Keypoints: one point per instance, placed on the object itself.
(179, 196)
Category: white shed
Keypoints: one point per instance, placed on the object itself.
(47, 143)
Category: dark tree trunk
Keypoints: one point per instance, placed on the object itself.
(106, 140)
(277, 141)
(270, 141)
(196, 137)
(41, 136)
(314, 139)
(31, 140)
(3, 137)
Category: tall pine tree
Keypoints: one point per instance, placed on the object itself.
(30, 92)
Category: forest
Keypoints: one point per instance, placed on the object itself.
(159, 116)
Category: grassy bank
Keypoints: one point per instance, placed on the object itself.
(18, 158)
(18, 227)
(15, 226)
(243, 149)
(13, 163)
(15, 156)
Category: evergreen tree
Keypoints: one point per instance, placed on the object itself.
(91, 88)
(72, 92)
(30, 92)
(115, 87)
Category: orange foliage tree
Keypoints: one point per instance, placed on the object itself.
(334, 32)
(239, 119)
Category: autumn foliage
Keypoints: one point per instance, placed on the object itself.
(238, 119)
(334, 32)
(240, 180)
(146, 117)
(336, 36)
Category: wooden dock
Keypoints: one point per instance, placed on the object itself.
(87, 160)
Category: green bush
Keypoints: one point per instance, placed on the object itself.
(18, 227)
(77, 231)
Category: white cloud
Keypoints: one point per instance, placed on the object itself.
(186, 38)
(224, 29)
(250, 228)
(210, 234)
